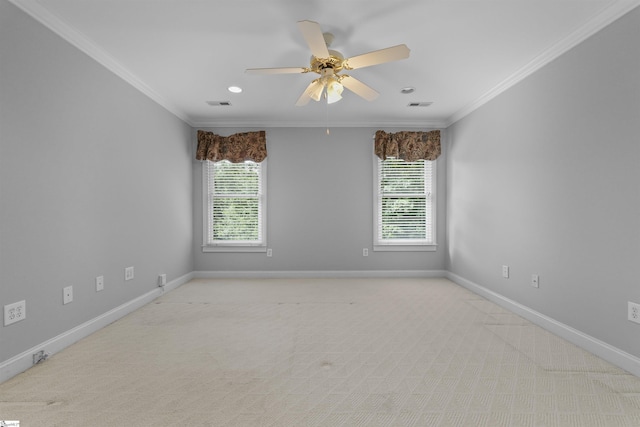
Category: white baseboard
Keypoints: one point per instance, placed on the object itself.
(617, 357)
(24, 360)
(306, 274)
(611, 354)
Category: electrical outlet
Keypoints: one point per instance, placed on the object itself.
(99, 283)
(15, 312)
(535, 280)
(128, 273)
(633, 313)
(365, 251)
(162, 280)
(67, 295)
(505, 271)
(269, 252)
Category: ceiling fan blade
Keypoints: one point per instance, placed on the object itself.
(381, 56)
(359, 88)
(312, 34)
(313, 91)
(284, 70)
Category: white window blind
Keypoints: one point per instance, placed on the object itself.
(235, 205)
(404, 202)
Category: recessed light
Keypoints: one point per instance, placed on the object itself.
(407, 89)
(234, 89)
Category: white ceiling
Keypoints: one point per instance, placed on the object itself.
(183, 53)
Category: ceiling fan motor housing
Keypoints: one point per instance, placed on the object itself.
(335, 61)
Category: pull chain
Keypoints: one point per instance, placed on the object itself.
(326, 112)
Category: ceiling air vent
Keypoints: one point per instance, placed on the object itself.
(219, 103)
(419, 104)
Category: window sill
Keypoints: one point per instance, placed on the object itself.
(405, 248)
(237, 249)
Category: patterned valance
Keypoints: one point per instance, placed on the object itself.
(236, 148)
(409, 146)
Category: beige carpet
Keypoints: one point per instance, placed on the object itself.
(355, 352)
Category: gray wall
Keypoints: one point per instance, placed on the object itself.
(545, 179)
(320, 207)
(94, 177)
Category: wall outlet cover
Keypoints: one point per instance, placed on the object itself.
(535, 280)
(633, 312)
(15, 312)
(129, 273)
(99, 283)
(67, 295)
(505, 271)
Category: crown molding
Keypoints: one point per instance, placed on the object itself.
(597, 23)
(605, 17)
(420, 124)
(34, 9)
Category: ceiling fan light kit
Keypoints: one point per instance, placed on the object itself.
(329, 63)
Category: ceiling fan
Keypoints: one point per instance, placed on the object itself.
(329, 63)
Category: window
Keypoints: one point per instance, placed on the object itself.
(404, 205)
(235, 206)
